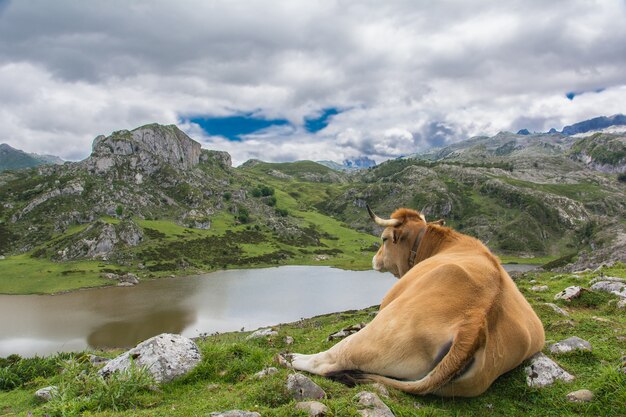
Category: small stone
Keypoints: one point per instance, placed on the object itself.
(571, 344)
(345, 332)
(262, 333)
(543, 372)
(533, 281)
(372, 406)
(212, 387)
(288, 340)
(312, 408)
(381, 389)
(618, 288)
(621, 304)
(539, 288)
(580, 396)
(266, 372)
(235, 413)
(557, 309)
(569, 293)
(46, 394)
(98, 360)
(302, 388)
(601, 319)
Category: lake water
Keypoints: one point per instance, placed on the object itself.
(216, 302)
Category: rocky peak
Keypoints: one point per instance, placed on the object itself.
(145, 149)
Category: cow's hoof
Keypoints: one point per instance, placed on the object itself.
(284, 359)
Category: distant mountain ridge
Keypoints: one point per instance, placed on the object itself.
(11, 158)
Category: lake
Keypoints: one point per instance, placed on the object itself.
(217, 302)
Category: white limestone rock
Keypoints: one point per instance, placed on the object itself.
(543, 372)
(166, 356)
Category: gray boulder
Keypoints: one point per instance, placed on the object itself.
(614, 287)
(302, 388)
(166, 356)
(312, 408)
(569, 293)
(571, 344)
(46, 394)
(543, 372)
(372, 406)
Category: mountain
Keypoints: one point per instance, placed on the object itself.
(11, 158)
(596, 123)
(350, 164)
(153, 202)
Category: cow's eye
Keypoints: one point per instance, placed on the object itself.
(385, 239)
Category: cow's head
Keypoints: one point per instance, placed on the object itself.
(401, 237)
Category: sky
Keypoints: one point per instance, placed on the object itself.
(291, 80)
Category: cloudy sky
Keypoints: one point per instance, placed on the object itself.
(288, 80)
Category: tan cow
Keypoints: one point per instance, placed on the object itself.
(451, 325)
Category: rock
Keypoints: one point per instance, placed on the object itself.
(312, 408)
(235, 413)
(580, 396)
(288, 340)
(265, 372)
(614, 287)
(571, 344)
(321, 257)
(569, 293)
(372, 406)
(98, 360)
(557, 309)
(381, 389)
(621, 303)
(2, 258)
(302, 388)
(167, 356)
(539, 288)
(345, 332)
(262, 333)
(610, 279)
(543, 372)
(130, 279)
(46, 394)
(622, 367)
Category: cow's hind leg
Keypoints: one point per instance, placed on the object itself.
(323, 363)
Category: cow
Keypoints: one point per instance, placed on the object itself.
(453, 322)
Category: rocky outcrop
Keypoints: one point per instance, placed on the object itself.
(166, 357)
(144, 149)
(72, 188)
(223, 159)
(46, 394)
(98, 241)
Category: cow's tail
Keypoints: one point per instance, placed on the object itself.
(457, 361)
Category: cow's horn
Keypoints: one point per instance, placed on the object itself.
(382, 222)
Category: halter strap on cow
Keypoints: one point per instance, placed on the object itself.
(416, 245)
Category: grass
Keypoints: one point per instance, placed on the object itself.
(22, 274)
(224, 380)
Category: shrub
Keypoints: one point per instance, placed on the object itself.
(16, 372)
(119, 210)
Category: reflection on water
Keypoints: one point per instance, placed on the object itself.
(220, 301)
(127, 333)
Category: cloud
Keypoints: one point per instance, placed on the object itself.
(405, 75)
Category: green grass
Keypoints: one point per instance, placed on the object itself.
(23, 274)
(224, 379)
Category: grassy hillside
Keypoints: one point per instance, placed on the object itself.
(224, 379)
